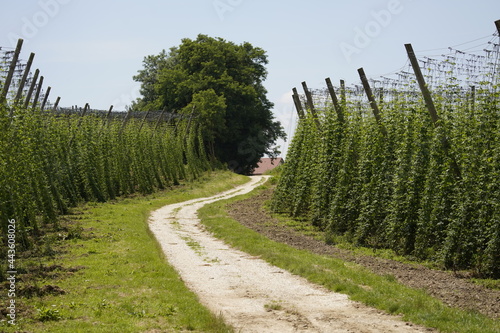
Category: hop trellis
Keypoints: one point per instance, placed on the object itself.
(427, 187)
(6, 57)
(469, 71)
(56, 158)
(20, 89)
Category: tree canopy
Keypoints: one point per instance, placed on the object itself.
(224, 82)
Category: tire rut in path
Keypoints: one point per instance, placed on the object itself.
(251, 294)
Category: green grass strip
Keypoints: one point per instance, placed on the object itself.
(381, 292)
(126, 285)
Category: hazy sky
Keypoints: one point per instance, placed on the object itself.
(88, 50)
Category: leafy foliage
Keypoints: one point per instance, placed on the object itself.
(399, 190)
(50, 163)
(224, 81)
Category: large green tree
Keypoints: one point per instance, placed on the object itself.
(223, 83)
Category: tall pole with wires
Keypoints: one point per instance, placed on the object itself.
(497, 65)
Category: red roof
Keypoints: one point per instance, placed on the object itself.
(266, 164)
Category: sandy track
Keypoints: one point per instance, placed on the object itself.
(251, 294)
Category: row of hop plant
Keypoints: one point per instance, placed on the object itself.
(50, 163)
(397, 188)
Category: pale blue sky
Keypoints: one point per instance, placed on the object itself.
(88, 50)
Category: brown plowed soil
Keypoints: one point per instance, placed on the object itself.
(452, 288)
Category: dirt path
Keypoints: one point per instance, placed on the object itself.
(252, 295)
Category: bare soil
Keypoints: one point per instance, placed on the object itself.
(454, 289)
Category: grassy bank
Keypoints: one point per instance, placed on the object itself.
(382, 292)
(104, 272)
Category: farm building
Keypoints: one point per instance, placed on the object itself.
(266, 164)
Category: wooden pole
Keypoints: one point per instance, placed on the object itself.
(85, 109)
(87, 106)
(310, 104)
(105, 121)
(309, 99)
(32, 87)
(170, 116)
(143, 120)
(84, 112)
(56, 103)
(429, 103)
(10, 74)
(298, 108)
(38, 91)
(369, 94)
(24, 78)
(108, 115)
(159, 119)
(371, 98)
(125, 120)
(343, 99)
(109, 112)
(45, 98)
(381, 97)
(473, 99)
(336, 105)
(189, 123)
(298, 104)
(497, 24)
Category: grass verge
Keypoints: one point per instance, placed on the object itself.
(381, 292)
(104, 272)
